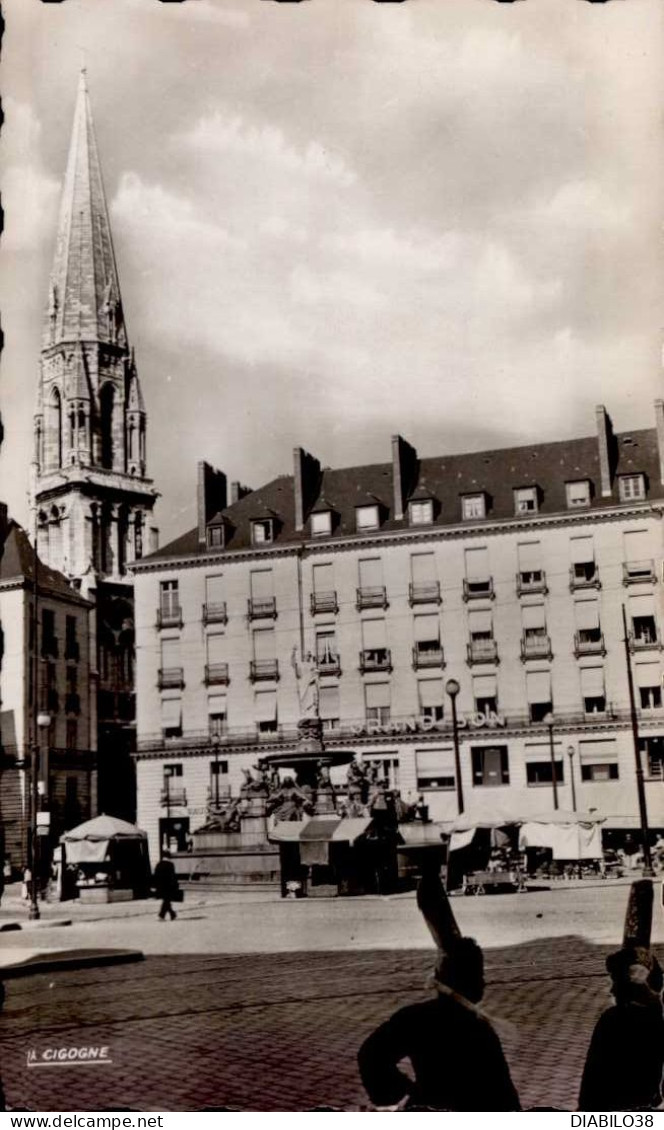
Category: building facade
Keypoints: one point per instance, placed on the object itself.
(91, 495)
(45, 669)
(508, 571)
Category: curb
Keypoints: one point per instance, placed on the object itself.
(48, 962)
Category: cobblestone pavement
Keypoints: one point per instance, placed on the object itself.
(280, 1031)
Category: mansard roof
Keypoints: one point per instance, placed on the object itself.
(84, 300)
(497, 473)
(17, 564)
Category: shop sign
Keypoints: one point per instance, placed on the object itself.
(490, 721)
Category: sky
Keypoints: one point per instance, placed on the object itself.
(338, 220)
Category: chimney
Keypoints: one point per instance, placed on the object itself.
(659, 422)
(153, 539)
(306, 475)
(211, 496)
(605, 444)
(404, 472)
(238, 491)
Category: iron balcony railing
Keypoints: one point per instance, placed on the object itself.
(328, 664)
(529, 582)
(170, 617)
(324, 602)
(173, 797)
(482, 651)
(376, 659)
(428, 656)
(263, 669)
(478, 590)
(639, 572)
(215, 613)
(216, 673)
(646, 642)
(586, 643)
(170, 677)
(536, 647)
(262, 608)
(372, 597)
(421, 593)
(587, 577)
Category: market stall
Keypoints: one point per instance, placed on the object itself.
(105, 860)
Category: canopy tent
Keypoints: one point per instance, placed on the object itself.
(91, 842)
(320, 829)
(569, 835)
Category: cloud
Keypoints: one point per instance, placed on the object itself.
(29, 192)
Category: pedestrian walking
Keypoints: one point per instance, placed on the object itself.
(455, 1053)
(166, 886)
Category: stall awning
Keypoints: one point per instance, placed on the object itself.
(418, 834)
(320, 829)
(566, 841)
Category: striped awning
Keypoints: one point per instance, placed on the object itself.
(320, 829)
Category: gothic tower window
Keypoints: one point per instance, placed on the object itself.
(106, 403)
(56, 412)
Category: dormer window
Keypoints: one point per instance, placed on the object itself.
(262, 532)
(420, 513)
(473, 506)
(525, 500)
(321, 523)
(215, 537)
(631, 487)
(578, 493)
(366, 518)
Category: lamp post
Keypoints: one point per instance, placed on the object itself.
(43, 721)
(570, 753)
(452, 687)
(215, 743)
(640, 788)
(552, 755)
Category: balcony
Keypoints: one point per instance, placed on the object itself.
(328, 664)
(49, 647)
(536, 647)
(170, 617)
(52, 701)
(375, 597)
(216, 674)
(424, 593)
(478, 590)
(73, 703)
(173, 797)
(639, 572)
(584, 576)
(324, 602)
(72, 650)
(170, 677)
(262, 608)
(428, 655)
(533, 581)
(375, 659)
(482, 651)
(263, 669)
(644, 641)
(589, 642)
(215, 613)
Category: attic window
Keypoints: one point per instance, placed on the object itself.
(262, 532)
(631, 487)
(321, 523)
(578, 493)
(215, 537)
(420, 513)
(473, 506)
(366, 518)
(525, 500)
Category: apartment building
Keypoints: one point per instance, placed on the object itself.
(46, 672)
(505, 572)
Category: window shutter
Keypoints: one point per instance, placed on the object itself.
(592, 752)
(216, 648)
(377, 694)
(479, 620)
(592, 682)
(586, 613)
(324, 578)
(530, 556)
(638, 546)
(373, 634)
(485, 686)
(371, 573)
(477, 564)
(264, 644)
(266, 706)
(328, 702)
(214, 590)
(261, 584)
(533, 616)
(641, 606)
(217, 704)
(435, 762)
(538, 686)
(648, 675)
(170, 653)
(427, 628)
(423, 568)
(582, 550)
(431, 692)
(171, 713)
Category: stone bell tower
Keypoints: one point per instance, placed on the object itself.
(91, 496)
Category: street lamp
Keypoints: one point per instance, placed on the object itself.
(552, 753)
(43, 721)
(570, 753)
(640, 788)
(452, 687)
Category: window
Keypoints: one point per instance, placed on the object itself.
(631, 487)
(578, 493)
(327, 654)
(169, 600)
(648, 679)
(485, 694)
(586, 614)
(215, 537)
(49, 640)
(525, 500)
(478, 581)
(377, 703)
(375, 653)
(421, 513)
(652, 749)
(540, 772)
(599, 760)
(480, 625)
(387, 767)
(171, 718)
(366, 518)
(534, 623)
(531, 574)
(72, 680)
(473, 506)
(427, 635)
(432, 698)
(490, 766)
(599, 772)
(265, 703)
(218, 769)
(264, 644)
(71, 731)
(329, 708)
(424, 586)
(645, 629)
(538, 693)
(435, 768)
(71, 642)
(262, 531)
(650, 697)
(172, 771)
(583, 568)
(321, 523)
(217, 715)
(592, 690)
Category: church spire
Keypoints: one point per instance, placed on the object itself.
(84, 301)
